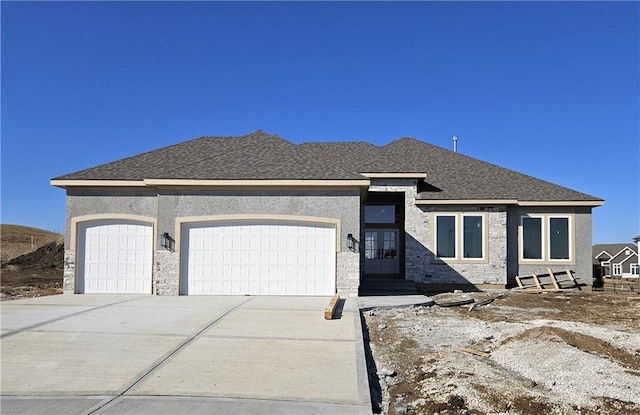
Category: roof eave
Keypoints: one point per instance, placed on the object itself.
(396, 175)
(210, 183)
(587, 203)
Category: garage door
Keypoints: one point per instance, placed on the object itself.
(258, 258)
(114, 257)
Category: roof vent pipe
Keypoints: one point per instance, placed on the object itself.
(455, 144)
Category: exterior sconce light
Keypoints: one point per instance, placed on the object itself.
(350, 241)
(166, 241)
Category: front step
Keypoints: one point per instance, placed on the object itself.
(387, 286)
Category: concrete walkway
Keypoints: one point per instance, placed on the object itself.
(123, 354)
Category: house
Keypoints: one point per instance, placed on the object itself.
(257, 214)
(615, 260)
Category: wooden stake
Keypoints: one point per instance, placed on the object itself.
(476, 352)
(331, 309)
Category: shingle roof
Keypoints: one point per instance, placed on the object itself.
(264, 156)
(612, 249)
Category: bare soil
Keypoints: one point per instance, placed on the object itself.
(550, 353)
(33, 274)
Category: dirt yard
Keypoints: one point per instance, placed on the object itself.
(33, 274)
(550, 353)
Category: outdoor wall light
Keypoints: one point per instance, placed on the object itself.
(166, 241)
(350, 241)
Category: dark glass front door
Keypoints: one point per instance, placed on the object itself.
(381, 251)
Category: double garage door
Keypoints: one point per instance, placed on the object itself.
(258, 257)
(217, 258)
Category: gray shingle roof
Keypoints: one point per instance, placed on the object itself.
(611, 249)
(264, 156)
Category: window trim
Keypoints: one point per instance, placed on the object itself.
(616, 269)
(636, 267)
(570, 237)
(435, 236)
(521, 239)
(546, 239)
(459, 237)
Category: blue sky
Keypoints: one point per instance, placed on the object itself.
(549, 89)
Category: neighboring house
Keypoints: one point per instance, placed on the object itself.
(615, 261)
(257, 214)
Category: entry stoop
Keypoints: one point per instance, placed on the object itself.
(387, 286)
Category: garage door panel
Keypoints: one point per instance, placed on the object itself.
(258, 258)
(115, 257)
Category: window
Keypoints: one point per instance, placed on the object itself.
(617, 270)
(445, 236)
(559, 238)
(546, 238)
(380, 214)
(451, 238)
(634, 269)
(473, 241)
(531, 238)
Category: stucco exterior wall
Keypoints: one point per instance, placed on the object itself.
(169, 205)
(580, 262)
(84, 202)
(343, 205)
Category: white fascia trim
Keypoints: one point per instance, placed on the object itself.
(505, 202)
(562, 203)
(222, 183)
(466, 202)
(622, 251)
(237, 183)
(603, 252)
(98, 183)
(415, 175)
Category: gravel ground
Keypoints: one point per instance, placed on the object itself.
(551, 353)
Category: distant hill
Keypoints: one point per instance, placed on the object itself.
(16, 240)
(19, 231)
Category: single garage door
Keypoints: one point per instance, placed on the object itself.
(258, 258)
(114, 256)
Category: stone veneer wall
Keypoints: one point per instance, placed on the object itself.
(167, 271)
(415, 224)
(348, 273)
(69, 275)
(493, 271)
(419, 258)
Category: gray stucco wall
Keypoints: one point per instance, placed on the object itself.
(581, 261)
(167, 205)
(82, 202)
(338, 204)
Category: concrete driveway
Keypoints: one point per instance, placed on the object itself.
(123, 354)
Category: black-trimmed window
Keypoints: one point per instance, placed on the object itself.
(460, 236)
(546, 238)
(380, 214)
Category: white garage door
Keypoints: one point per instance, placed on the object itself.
(267, 258)
(114, 257)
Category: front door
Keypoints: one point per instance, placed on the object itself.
(381, 251)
